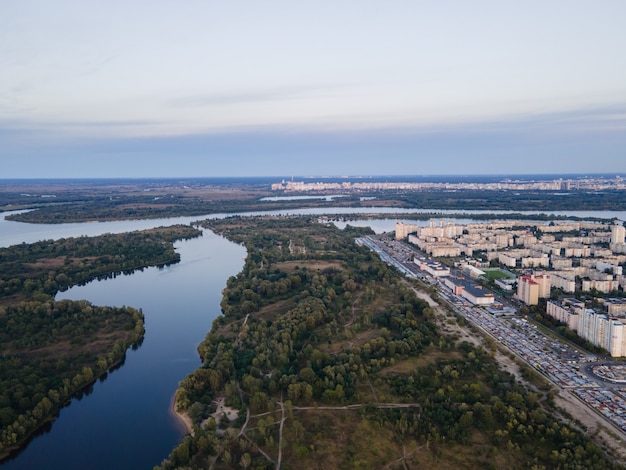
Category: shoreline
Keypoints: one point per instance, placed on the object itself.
(182, 417)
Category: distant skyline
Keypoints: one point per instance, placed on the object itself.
(196, 88)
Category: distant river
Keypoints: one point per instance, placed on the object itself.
(12, 233)
(126, 421)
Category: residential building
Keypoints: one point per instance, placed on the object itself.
(528, 290)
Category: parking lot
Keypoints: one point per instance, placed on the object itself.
(568, 368)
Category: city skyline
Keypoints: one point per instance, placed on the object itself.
(153, 90)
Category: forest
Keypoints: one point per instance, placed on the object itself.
(50, 350)
(76, 201)
(324, 357)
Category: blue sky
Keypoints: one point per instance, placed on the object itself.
(206, 88)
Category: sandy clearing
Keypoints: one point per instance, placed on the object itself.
(597, 426)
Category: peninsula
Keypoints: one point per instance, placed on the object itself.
(333, 359)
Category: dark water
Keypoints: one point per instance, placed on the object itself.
(126, 421)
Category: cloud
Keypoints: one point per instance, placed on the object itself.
(252, 96)
(591, 119)
(588, 140)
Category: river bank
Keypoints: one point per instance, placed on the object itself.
(179, 302)
(182, 417)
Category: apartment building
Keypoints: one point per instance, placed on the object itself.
(528, 290)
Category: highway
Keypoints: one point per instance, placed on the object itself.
(566, 367)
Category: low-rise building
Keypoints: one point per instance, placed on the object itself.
(432, 268)
(474, 293)
(505, 284)
(473, 271)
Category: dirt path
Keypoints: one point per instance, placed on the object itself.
(451, 328)
(280, 435)
(424, 296)
(595, 424)
(359, 406)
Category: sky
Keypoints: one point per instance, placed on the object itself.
(213, 88)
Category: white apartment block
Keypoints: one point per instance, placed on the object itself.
(615, 269)
(562, 283)
(507, 260)
(560, 263)
(403, 230)
(536, 262)
(577, 252)
(617, 345)
(618, 234)
(603, 331)
(604, 286)
(560, 227)
(614, 306)
(564, 312)
(443, 230)
(525, 240)
(436, 249)
(593, 327)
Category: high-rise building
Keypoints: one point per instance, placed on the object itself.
(618, 233)
(617, 346)
(403, 230)
(533, 287)
(528, 290)
(544, 282)
(597, 328)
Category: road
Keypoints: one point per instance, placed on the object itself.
(569, 369)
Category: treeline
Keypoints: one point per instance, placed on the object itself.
(536, 201)
(146, 207)
(105, 204)
(50, 350)
(540, 216)
(49, 266)
(329, 357)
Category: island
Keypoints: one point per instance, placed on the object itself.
(51, 350)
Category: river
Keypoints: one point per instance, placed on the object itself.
(126, 420)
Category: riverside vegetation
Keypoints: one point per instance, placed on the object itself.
(325, 358)
(50, 350)
(62, 201)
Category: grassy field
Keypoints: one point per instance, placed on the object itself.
(495, 274)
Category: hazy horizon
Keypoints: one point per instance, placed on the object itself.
(151, 89)
(374, 177)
